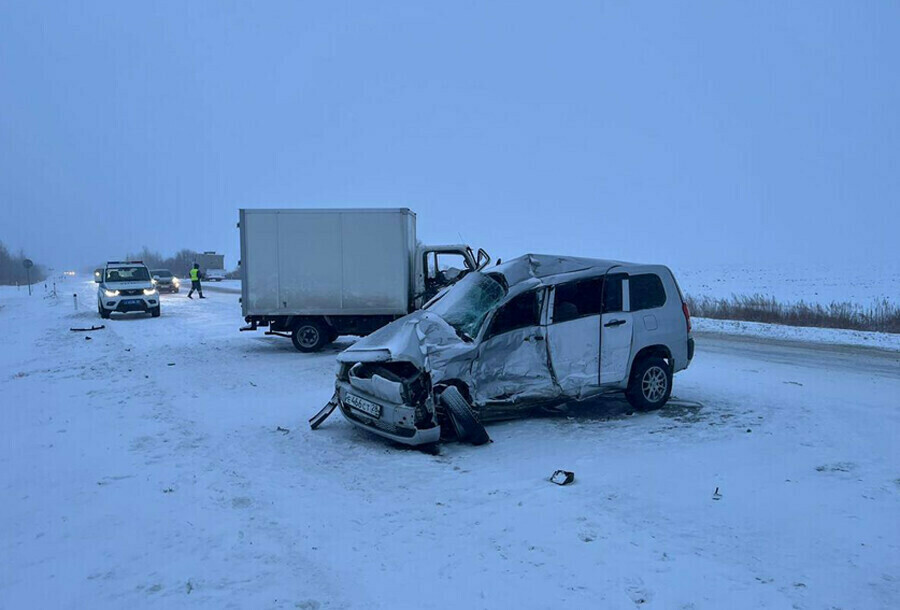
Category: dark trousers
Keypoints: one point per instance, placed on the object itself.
(195, 285)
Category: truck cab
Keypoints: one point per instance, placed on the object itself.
(443, 266)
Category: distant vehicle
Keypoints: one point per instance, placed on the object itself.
(98, 275)
(212, 266)
(314, 274)
(126, 286)
(165, 280)
(215, 275)
(535, 332)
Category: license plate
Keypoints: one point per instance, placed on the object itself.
(361, 404)
(131, 301)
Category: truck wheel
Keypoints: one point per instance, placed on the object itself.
(467, 425)
(309, 336)
(650, 385)
(155, 311)
(104, 313)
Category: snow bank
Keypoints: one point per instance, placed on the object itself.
(831, 336)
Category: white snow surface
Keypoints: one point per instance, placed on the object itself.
(144, 468)
(833, 336)
(793, 282)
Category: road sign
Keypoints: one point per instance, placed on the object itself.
(28, 264)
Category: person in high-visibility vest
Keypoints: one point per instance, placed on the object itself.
(195, 282)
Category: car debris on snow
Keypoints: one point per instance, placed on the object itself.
(563, 477)
(82, 330)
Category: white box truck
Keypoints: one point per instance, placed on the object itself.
(212, 266)
(315, 274)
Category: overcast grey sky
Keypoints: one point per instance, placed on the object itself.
(675, 132)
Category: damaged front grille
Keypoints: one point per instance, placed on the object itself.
(396, 382)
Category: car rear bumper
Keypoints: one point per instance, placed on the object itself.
(396, 421)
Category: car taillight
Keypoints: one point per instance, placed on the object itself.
(687, 315)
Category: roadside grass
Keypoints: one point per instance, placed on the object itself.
(881, 316)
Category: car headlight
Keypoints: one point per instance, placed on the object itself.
(175, 281)
(111, 293)
(149, 291)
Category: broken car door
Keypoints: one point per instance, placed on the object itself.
(615, 331)
(574, 336)
(512, 361)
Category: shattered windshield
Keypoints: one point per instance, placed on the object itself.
(465, 305)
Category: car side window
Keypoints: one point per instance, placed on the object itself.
(522, 311)
(612, 295)
(577, 300)
(646, 291)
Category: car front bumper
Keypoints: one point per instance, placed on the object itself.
(395, 422)
(130, 304)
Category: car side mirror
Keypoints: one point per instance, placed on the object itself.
(483, 259)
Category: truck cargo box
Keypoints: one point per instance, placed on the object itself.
(327, 261)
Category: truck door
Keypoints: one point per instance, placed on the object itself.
(512, 361)
(616, 326)
(442, 268)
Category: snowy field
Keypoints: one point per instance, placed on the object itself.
(823, 284)
(167, 463)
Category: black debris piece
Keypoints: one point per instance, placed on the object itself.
(562, 477)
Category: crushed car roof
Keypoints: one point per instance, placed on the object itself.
(544, 267)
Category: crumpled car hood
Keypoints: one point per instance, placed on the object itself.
(422, 338)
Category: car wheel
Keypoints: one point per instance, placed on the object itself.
(650, 385)
(104, 313)
(155, 311)
(309, 336)
(467, 426)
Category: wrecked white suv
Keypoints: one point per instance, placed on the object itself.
(533, 333)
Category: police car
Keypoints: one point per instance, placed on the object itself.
(126, 286)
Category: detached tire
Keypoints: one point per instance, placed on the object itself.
(650, 385)
(463, 418)
(310, 336)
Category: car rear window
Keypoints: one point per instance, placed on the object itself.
(646, 291)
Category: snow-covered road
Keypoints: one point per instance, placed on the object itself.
(167, 462)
